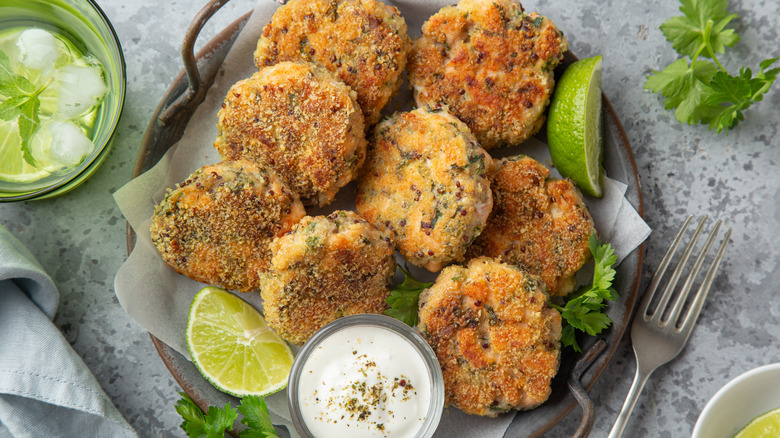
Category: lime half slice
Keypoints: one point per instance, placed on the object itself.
(574, 125)
(13, 167)
(233, 347)
(766, 425)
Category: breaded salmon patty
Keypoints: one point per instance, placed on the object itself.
(327, 267)
(216, 227)
(302, 121)
(492, 64)
(540, 224)
(364, 42)
(497, 341)
(425, 184)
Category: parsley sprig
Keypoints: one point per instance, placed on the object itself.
(403, 299)
(21, 103)
(216, 421)
(583, 308)
(701, 91)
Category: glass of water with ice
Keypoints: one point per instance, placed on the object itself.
(62, 87)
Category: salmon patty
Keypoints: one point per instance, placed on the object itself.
(492, 64)
(216, 227)
(540, 224)
(300, 120)
(327, 267)
(364, 42)
(497, 341)
(424, 183)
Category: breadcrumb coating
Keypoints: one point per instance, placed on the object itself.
(496, 339)
(424, 183)
(364, 42)
(492, 64)
(327, 267)
(300, 120)
(540, 224)
(216, 226)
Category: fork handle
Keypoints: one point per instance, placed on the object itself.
(640, 379)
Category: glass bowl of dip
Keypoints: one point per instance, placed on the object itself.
(364, 376)
(70, 57)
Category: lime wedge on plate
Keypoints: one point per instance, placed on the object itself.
(764, 426)
(233, 347)
(574, 125)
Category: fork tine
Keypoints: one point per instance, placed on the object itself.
(661, 270)
(667, 294)
(701, 295)
(686, 289)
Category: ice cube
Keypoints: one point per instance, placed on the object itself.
(69, 144)
(37, 49)
(81, 88)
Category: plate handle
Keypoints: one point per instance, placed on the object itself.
(195, 92)
(575, 385)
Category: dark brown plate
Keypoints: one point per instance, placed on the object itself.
(172, 116)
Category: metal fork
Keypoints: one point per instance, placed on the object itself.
(659, 334)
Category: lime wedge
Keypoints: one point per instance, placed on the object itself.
(574, 125)
(233, 347)
(764, 426)
(13, 167)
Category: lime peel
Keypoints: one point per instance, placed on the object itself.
(765, 425)
(232, 346)
(574, 132)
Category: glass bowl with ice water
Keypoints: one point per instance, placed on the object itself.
(62, 88)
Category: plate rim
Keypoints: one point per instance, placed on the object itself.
(217, 47)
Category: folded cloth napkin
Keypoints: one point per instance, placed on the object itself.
(46, 390)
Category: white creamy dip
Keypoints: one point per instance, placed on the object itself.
(364, 381)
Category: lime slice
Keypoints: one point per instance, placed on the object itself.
(13, 167)
(764, 426)
(574, 125)
(233, 347)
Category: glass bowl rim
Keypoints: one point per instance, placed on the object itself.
(411, 335)
(97, 157)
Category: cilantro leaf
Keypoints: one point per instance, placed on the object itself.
(583, 308)
(700, 91)
(404, 298)
(211, 425)
(256, 418)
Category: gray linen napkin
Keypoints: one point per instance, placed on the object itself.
(46, 390)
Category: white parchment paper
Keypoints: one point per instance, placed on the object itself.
(159, 299)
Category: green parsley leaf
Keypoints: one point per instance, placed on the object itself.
(256, 418)
(216, 421)
(404, 298)
(211, 425)
(583, 308)
(700, 91)
(701, 27)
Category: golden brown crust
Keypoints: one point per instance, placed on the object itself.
(364, 42)
(300, 120)
(327, 267)
(216, 226)
(424, 183)
(497, 341)
(538, 223)
(492, 64)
